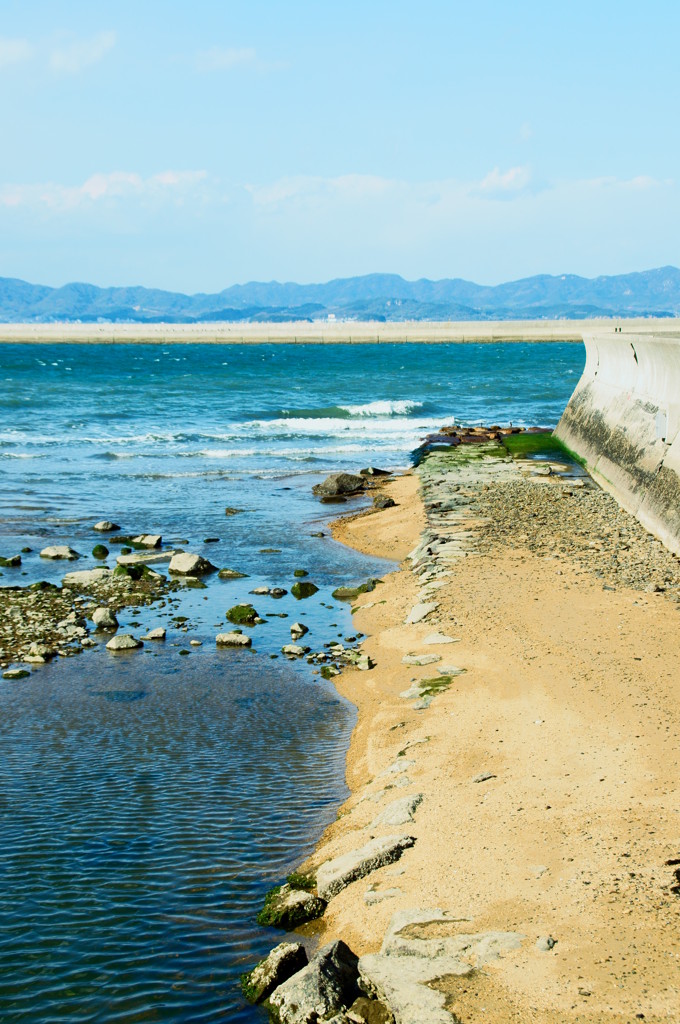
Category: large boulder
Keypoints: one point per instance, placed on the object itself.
(186, 564)
(338, 484)
(325, 986)
(283, 962)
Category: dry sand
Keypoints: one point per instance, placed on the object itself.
(570, 701)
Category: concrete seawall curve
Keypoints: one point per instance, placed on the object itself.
(623, 420)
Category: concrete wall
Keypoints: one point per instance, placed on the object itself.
(624, 420)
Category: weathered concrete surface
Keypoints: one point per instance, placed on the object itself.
(624, 421)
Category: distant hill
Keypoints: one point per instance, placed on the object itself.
(371, 297)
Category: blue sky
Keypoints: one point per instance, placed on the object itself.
(195, 145)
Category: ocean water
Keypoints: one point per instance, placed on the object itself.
(147, 802)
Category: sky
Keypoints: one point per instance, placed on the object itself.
(192, 146)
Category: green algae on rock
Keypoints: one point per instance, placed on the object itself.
(242, 615)
(303, 590)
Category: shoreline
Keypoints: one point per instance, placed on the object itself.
(568, 707)
(323, 332)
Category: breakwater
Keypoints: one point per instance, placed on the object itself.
(623, 420)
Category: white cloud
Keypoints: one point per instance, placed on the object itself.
(100, 187)
(503, 184)
(229, 58)
(70, 58)
(14, 51)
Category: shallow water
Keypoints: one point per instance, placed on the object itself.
(148, 801)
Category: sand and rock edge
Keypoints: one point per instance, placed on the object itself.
(506, 852)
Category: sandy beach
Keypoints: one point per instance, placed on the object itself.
(548, 769)
(325, 332)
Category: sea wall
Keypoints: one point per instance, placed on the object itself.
(624, 421)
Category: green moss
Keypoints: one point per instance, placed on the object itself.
(43, 585)
(12, 562)
(242, 615)
(302, 590)
(526, 445)
(300, 573)
(432, 687)
(100, 551)
(276, 915)
(297, 880)
(125, 550)
(328, 672)
(351, 593)
(231, 574)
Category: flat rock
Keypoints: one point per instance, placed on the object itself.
(123, 642)
(333, 876)
(399, 812)
(419, 947)
(295, 650)
(149, 540)
(441, 638)
(145, 557)
(232, 574)
(156, 634)
(420, 659)
(233, 640)
(15, 673)
(104, 619)
(339, 483)
(483, 777)
(420, 611)
(60, 551)
(374, 896)
(283, 962)
(85, 577)
(187, 564)
(105, 526)
(325, 986)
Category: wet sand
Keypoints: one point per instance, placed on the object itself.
(570, 703)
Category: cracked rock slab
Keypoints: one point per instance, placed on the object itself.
(399, 812)
(420, 612)
(335, 875)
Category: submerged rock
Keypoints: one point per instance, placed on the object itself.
(339, 484)
(283, 962)
(325, 986)
(60, 551)
(100, 551)
(123, 642)
(232, 574)
(287, 907)
(187, 564)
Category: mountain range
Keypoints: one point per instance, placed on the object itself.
(371, 297)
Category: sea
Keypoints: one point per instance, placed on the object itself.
(149, 801)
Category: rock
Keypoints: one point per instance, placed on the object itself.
(300, 573)
(420, 612)
(60, 551)
(123, 642)
(38, 654)
(351, 593)
(232, 511)
(284, 960)
(325, 986)
(298, 629)
(85, 577)
(420, 659)
(259, 591)
(287, 907)
(155, 634)
(373, 471)
(100, 551)
(13, 562)
(242, 615)
(451, 670)
(148, 540)
(146, 557)
(419, 947)
(383, 501)
(186, 564)
(399, 812)
(368, 1011)
(15, 673)
(364, 663)
(277, 592)
(483, 777)
(104, 619)
(105, 526)
(232, 574)
(546, 943)
(233, 640)
(301, 590)
(338, 484)
(333, 876)
(295, 650)
(440, 638)
(374, 896)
